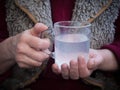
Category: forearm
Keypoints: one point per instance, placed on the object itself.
(6, 59)
(109, 62)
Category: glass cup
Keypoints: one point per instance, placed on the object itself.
(71, 40)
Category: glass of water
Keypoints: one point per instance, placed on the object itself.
(71, 40)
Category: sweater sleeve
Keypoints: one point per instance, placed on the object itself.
(3, 32)
(115, 45)
(3, 24)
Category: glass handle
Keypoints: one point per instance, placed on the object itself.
(51, 54)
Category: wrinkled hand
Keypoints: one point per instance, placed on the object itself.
(80, 69)
(27, 47)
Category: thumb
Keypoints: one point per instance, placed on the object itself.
(91, 64)
(38, 28)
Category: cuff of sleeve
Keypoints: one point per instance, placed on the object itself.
(4, 76)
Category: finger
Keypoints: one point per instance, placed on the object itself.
(22, 65)
(65, 71)
(74, 73)
(32, 53)
(55, 69)
(94, 63)
(83, 70)
(91, 55)
(38, 44)
(38, 28)
(27, 61)
(91, 64)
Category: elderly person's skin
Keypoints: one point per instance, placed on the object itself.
(98, 59)
(25, 49)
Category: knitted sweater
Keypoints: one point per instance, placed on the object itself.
(74, 84)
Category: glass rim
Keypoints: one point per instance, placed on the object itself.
(82, 24)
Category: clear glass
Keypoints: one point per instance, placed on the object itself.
(71, 40)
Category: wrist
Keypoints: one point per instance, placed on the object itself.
(6, 56)
(8, 48)
(109, 61)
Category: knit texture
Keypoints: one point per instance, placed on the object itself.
(102, 29)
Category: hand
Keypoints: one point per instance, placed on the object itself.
(80, 68)
(27, 47)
